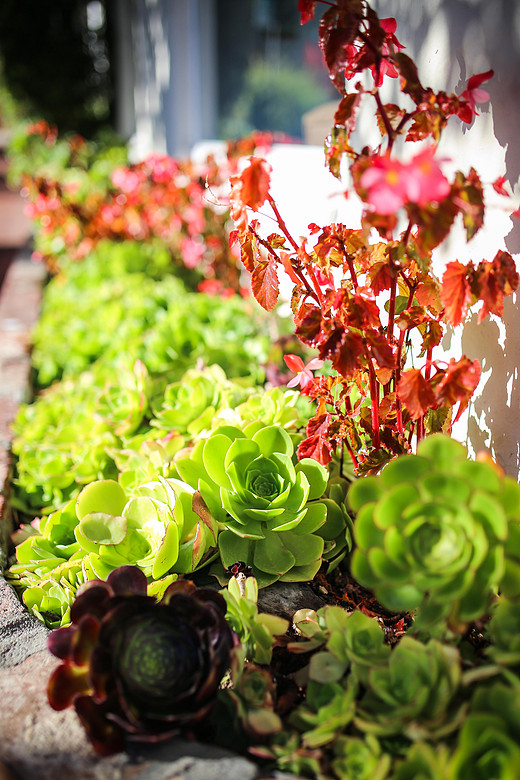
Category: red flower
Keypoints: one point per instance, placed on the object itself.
(390, 45)
(473, 95)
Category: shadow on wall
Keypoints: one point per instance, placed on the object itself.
(451, 40)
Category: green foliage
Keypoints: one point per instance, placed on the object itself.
(163, 529)
(257, 631)
(268, 505)
(158, 321)
(431, 533)
(274, 98)
(360, 759)
(488, 744)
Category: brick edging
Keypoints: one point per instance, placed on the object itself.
(20, 301)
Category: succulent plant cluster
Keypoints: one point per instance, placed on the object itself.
(137, 668)
(433, 533)
(163, 528)
(271, 508)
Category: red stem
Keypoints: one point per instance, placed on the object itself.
(384, 116)
(391, 309)
(281, 223)
(374, 404)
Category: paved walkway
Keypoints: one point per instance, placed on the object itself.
(15, 227)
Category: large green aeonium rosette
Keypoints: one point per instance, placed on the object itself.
(271, 508)
(431, 533)
(136, 668)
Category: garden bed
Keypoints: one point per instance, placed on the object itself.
(38, 742)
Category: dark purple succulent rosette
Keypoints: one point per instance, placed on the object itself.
(134, 668)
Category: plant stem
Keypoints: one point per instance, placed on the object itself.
(281, 223)
(384, 116)
(374, 404)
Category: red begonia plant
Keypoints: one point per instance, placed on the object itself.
(363, 296)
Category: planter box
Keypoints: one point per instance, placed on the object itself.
(38, 743)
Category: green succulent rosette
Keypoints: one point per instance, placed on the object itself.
(267, 504)
(190, 405)
(423, 762)
(414, 694)
(48, 568)
(488, 744)
(157, 529)
(430, 533)
(164, 528)
(275, 406)
(504, 632)
(362, 759)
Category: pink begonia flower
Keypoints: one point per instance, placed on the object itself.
(472, 94)
(424, 181)
(384, 182)
(391, 184)
(303, 372)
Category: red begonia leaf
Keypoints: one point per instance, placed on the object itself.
(330, 338)
(336, 145)
(338, 29)
(381, 275)
(308, 323)
(410, 83)
(350, 356)
(381, 349)
(412, 317)
(361, 312)
(494, 280)
(255, 181)
(455, 292)
(471, 199)
(416, 393)
(346, 112)
(428, 295)
(433, 335)
(316, 445)
(434, 222)
(317, 448)
(458, 383)
(265, 285)
(394, 115)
